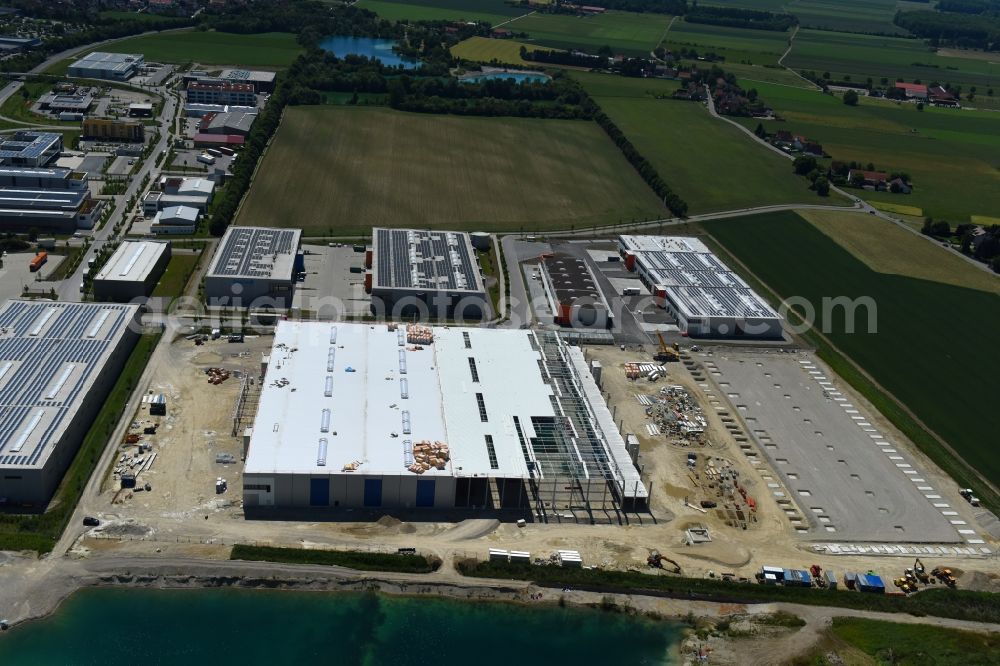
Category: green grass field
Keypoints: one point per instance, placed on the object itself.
(273, 50)
(179, 269)
(933, 345)
(952, 155)
(710, 164)
(351, 169)
(740, 45)
(848, 15)
(624, 32)
(916, 645)
(484, 49)
(18, 108)
(864, 56)
(492, 11)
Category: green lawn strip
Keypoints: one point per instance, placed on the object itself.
(900, 344)
(17, 107)
(175, 278)
(488, 262)
(958, 604)
(891, 642)
(40, 532)
(351, 559)
(70, 256)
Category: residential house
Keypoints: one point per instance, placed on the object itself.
(941, 96)
(916, 91)
(869, 180)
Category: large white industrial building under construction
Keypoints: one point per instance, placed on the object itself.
(708, 299)
(394, 416)
(58, 361)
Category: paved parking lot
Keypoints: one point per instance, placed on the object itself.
(851, 482)
(330, 288)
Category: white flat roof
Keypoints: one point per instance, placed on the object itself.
(50, 355)
(371, 396)
(132, 261)
(186, 214)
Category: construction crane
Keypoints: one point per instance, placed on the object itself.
(666, 353)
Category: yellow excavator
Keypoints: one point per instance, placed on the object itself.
(666, 353)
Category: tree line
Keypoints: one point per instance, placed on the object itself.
(732, 17)
(961, 30)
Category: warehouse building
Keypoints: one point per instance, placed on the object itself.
(254, 267)
(43, 179)
(238, 94)
(56, 102)
(708, 299)
(30, 148)
(235, 123)
(110, 66)
(425, 272)
(262, 82)
(392, 416)
(176, 191)
(115, 130)
(573, 295)
(61, 211)
(175, 220)
(58, 361)
(132, 271)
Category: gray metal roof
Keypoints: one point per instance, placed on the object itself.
(256, 253)
(424, 260)
(50, 354)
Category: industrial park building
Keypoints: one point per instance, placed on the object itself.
(708, 299)
(60, 211)
(58, 361)
(415, 271)
(119, 130)
(261, 81)
(573, 294)
(238, 94)
(175, 220)
(30, 148)
(110, 66)
(394, 416)
(176, 191)
(43, 179)
(132, 271)
(254, 266)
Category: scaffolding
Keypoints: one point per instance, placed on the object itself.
(572, 469)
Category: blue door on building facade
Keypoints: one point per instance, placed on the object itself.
(425, 492)
(319, 492)
(373, 492)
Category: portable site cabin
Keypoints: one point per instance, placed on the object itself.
(831, 579)
(158, 405)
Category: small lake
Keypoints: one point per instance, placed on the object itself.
(228, 626)
(370, 47)
(519, 77)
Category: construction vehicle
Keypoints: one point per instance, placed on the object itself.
(656, 560)
(944, 575)
(666, 353)
(904, 585)
(919, 572)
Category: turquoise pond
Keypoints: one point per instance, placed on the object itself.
(228, 626)
(519, 77)
(370, 47)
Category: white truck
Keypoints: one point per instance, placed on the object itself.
(206, 158)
